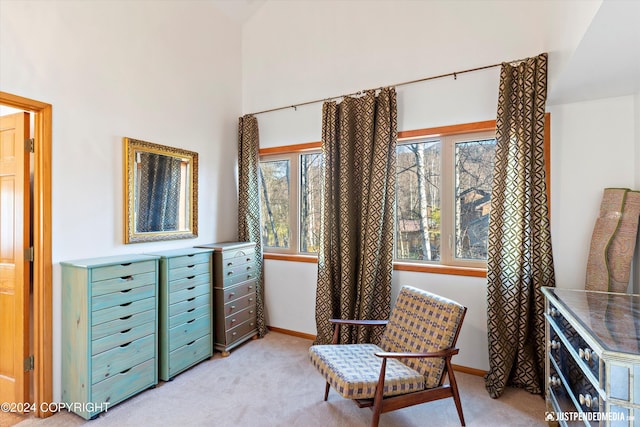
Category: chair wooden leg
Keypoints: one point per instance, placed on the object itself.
(454, 389)
(377, 399)
(326, 391)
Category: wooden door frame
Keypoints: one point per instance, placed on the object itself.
(42, 383)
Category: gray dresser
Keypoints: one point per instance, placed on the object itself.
(234, 293)
(109, 330)
(185, 310)
(593, 358)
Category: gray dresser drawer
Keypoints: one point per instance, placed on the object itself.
(234, 282)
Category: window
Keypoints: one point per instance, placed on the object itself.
(443, 198)
(282, 198)
(275, 198)
(444, 182)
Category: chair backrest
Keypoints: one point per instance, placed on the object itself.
(422, 322)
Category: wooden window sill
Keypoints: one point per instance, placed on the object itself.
(402, 266)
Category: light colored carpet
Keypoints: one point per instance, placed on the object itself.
(270, 382)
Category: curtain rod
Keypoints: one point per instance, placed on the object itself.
(360, 92)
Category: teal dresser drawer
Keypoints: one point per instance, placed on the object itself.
(189, 259)
(122, 357)
(187, 305)
(189, 293)
(123, 298)
(123, 284)
(185, 314)
(122, 324)
(187, 332)
(189, 315)
(189, 281)
(127, 269)
(121, 338)
(234, 287)
(189, 354)
(126, 383)
(188, 271)
(123, 310)
(109, 330)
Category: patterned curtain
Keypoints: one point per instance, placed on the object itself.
(158, 207)
(249, 202)
(359, 139)
(520, 258)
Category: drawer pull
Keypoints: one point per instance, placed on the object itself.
(250, 299)
(124, 345)
(191, 342)
(233, 307)
(233, 320)
(249, 276)
(234, 334)
(125, 371)
(554, 381)
(125, 291)
(126, 278)
(249, 268)
(126, 304)
(229, 264)
(126, 264)
(126, 317)
(250, 287)
(229, 273)
(191, 299)
(553, 344)
(190, 277)
(191, 321)
(190, 310)
(232, 294)
(250, 311)
(587, 400)
(191, 288)
(125, 331)
(248, 259)
(585, 354)
(191, 255)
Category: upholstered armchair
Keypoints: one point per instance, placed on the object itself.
(409, 366)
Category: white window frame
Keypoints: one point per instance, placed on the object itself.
(295, 179)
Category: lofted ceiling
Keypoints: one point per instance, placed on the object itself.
(605, 63)
(239, 10)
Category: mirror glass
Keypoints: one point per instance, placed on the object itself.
(162, 192)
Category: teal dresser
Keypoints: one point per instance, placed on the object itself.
(234, 289)
(185, 310)
(109, 331)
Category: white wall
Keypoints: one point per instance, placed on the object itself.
(167, 72)
(305, 50)
(593, 146)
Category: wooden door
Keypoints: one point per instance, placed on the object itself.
(14, 267)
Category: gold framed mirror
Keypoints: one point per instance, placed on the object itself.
(161, 190)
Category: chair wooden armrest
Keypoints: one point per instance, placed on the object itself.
(353, 322)
(442, 353)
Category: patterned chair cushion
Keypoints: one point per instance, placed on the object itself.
(353, 371)
(422, 322)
